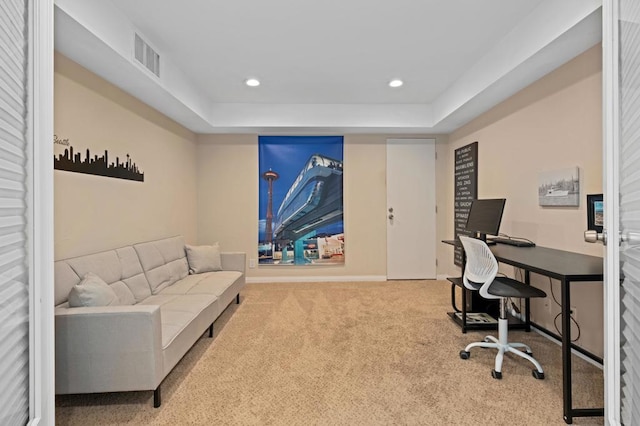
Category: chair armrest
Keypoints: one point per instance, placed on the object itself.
(110, 348)
(233, 261)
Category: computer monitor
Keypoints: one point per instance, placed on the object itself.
(485, 217)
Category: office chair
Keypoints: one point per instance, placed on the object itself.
(480, 275)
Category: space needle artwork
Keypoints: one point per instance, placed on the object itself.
(301, 200)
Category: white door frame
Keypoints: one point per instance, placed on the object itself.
(610, 92)
(41, 317)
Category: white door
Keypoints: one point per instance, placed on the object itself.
(621, 106)
(411, 209)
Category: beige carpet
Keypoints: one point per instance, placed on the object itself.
(381, 353)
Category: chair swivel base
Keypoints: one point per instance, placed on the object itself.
(503, 347)
(498, 374)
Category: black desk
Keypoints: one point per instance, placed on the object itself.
(567, 267)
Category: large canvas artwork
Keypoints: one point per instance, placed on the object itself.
(301, 204)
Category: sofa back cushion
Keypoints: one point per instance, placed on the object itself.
(164, 262)
(119, 268)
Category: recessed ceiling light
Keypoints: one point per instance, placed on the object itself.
(252, 82)
(396, 83)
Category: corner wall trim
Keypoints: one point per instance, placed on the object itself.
(303, 279)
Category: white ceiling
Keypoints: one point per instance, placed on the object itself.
(325, 65)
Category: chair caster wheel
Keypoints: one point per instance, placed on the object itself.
(538, 375)
(464, 354)
(496, 374)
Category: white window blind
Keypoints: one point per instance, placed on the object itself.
(14, 285)
(630, 208)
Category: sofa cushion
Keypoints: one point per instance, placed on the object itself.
(124, 293)
(208, 283)
(225, 285)
(203, 258)
(132, 274)
(65, 279)
(178, 311)
(164, 262)
(138, 286)
(184, 285)
(119, 268)
(106, 265)
(92, 291)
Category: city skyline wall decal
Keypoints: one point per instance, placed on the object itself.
(71, 161)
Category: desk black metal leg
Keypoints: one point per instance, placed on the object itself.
(464, 310)
(527, 303)
(464, 294)
(453, 298)
(566, 351)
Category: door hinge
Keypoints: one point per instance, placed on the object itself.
(436, 155)
(436, 209)
(436, 262)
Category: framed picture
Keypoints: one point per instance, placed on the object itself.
(595, 212)
(559, 188)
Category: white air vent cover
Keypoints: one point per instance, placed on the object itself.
(147, 56)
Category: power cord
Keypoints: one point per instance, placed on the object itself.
(515, 310)
(555, 324)
(501, 234)
(555, 319)
(519, 275)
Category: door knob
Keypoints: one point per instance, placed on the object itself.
(390, 209)
(592, 236)
(391, 216)
(631, 238)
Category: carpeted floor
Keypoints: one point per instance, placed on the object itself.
(378, 353)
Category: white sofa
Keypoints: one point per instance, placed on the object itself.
(162, 311)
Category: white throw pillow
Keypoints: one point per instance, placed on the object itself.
(203, 258)
(92, 291)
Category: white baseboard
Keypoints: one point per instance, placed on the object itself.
(442, 277)
(315, 279)
(573, 351)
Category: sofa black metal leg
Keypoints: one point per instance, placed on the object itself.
(157, 400)
(211, 330)
(238, 299)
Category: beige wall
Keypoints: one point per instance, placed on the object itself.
(228, 203)
(553, 124)
(94, 213)
(205, 187)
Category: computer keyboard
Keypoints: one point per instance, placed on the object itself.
(512, 242)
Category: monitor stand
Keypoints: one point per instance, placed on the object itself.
(483, 237)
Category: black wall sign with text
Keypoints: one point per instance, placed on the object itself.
(466, 190)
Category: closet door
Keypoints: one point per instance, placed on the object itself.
(629, 51)
(14, 271)
(26, 213)
(621, 106)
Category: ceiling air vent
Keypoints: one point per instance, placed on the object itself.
(147, 56)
